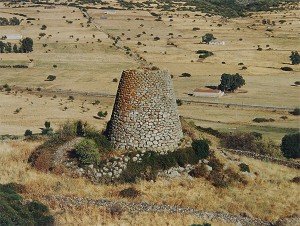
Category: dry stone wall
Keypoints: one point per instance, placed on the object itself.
(145, 113)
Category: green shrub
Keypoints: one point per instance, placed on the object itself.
(15, 211)
(27, 133)
(179, 102)
(101, 141)
(201, 148)
(102, 114)
(51, 78)
(244, 167)
(290, 145)
(296, 180)
(87, 152)
(296, 111)
(259, 120)
(185, 75)
(286, 68)
(129, 193)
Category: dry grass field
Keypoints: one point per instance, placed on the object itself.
(269, 196)
(83, 58)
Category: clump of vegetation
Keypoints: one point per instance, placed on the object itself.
(179, 102)
(249, 142)
(204, 54)
(296, 111)
(295, 57)
(87, 152)
(102, 114)
(296, 180)
(152, 162)
(286, 68)
(207, 38)
(47, 130)
(290, 145)
(199, 171)
(51, 78)
(9, 22)
(129, 193)
(115, 80)
(201, 148)
(16, 211)
(244, 167)
(259, 120)
(231, 82)
(28, 132)
(185, 75)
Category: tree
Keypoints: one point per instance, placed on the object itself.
(231, 82)
(26, 45)
(290, 145)
(2, 46)
(15, 48)
(207, 38)
(8, 47)
(295, 57)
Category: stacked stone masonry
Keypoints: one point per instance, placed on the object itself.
(145, 113)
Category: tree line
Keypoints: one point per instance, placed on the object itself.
(25, 46)
(9, 22)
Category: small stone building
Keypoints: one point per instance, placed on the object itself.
(145, 113)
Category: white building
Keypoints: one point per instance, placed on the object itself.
(214, 42)
(207, 93)
(12, 36)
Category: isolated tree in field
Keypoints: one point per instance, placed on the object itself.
(26, 45)
(207, 38)
(231, 82)
(295, 57)
(290, 145)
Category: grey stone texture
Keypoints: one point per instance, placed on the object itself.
(145, 113)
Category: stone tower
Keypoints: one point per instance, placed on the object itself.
(145, 113)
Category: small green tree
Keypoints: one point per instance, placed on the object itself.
(26, 45)
(47, 124)
(231, 82)
(290, 145)
(207, 38)
(28, 133)
(295, 57)
(15, 48)
(102, 114)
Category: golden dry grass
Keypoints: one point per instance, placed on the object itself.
(269, 196)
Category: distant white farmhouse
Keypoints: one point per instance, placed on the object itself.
(207, 93)
(12, 36)
(214, 42)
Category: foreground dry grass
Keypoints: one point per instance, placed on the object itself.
(269, 196)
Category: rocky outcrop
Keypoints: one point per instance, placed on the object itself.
(145, 112)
